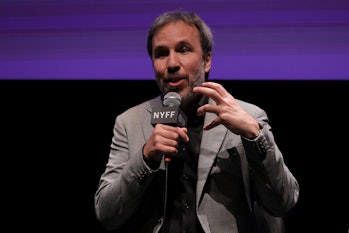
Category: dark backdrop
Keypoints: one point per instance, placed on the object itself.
(56, 137)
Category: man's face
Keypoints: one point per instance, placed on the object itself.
(178, 58)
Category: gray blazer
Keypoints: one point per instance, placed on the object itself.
(128, 197)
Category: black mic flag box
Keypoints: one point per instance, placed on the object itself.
(169, 116)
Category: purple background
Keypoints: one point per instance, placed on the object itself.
(101, 39)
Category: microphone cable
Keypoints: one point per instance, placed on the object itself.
(167, 160)
(171, 99)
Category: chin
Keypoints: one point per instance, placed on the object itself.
(179, 90)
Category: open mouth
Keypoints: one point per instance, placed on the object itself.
(175, 82)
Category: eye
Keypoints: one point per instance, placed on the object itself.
(184, 49)
(161, 53)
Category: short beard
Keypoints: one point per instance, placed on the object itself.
(191, 98)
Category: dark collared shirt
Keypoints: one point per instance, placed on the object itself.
(182, 179)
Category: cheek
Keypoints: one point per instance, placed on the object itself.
(193, 65)
(159, 66)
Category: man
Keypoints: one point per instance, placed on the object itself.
(226, 173)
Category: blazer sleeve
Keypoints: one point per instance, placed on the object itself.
(275, 187)
(126, 178)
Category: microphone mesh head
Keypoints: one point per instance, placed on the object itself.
(172, 99)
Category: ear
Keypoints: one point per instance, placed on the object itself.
(208, 60)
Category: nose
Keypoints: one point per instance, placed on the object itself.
(172, 63)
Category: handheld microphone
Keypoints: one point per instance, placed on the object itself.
(170, 113)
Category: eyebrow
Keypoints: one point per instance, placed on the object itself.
(184, 42)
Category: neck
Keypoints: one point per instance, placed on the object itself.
(191, 103)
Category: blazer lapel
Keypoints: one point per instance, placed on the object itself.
(211, 141)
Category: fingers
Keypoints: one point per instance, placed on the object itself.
(171, 133)
(216, 92)
(165, 140)
(213, 124)
(183, 134)
(213, 90)
(215, 86)
(225, 104)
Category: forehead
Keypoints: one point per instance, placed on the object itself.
(178, 30)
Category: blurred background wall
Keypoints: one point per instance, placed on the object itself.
(106, 39)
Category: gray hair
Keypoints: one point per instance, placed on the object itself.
(206, 37)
